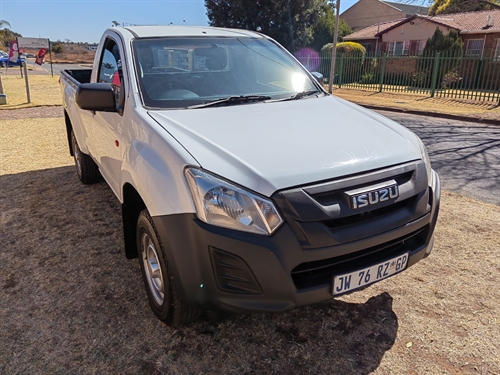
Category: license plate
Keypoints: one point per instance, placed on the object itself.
(360, 278)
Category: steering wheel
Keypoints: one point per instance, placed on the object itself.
(158, 89)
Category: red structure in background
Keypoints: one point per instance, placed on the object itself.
(41, 56)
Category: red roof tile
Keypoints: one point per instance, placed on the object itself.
(468, 22)
(370, 31)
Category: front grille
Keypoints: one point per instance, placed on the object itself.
(368, 215)
(311, 274)
(330, 197)
(321, 215)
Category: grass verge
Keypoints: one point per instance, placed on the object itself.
(44, 91)
(412, 102)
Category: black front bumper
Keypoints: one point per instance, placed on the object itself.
(217, 268)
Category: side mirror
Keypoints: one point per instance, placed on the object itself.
(96, 97)
(318, 76)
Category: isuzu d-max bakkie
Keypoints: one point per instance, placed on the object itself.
(244, 186)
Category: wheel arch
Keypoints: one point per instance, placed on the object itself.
(69, 128)
(131, 208)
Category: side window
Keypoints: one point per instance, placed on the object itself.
(110, 70)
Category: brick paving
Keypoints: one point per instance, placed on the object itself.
(32, 112)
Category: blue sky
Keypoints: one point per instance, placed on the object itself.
(85, 20)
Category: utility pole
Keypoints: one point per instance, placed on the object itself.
(334, 46)
(290, 26)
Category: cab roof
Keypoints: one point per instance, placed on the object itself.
(188, 31)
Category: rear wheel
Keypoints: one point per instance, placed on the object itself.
(86, 168)
(160, 285)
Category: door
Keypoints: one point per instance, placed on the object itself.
(107, 126)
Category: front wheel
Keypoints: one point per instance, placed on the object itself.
(160, 286)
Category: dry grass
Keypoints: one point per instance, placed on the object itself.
(72, 303)
(23, 152)
(73, 54)
(405, 101)
(44, 91)
(72, 57)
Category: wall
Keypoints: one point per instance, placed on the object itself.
(420, 30)
(489, 45)
(369, 12)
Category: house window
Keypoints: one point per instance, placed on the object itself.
(368, 47)
(398, 48)
(474, 47)
(497, 51)
(421, 46)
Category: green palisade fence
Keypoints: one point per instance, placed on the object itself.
(440, 75)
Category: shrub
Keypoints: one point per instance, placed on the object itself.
(450, 79)
(57, 48)
(367, 78)
(348, 49)
(352, 71)
(420, 79)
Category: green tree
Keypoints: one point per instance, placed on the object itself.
(290, 22)
(438, 42)
(449, 46)
(6, 35)
(57, 47)
(324, 28)
(459, 6)
(4, 24)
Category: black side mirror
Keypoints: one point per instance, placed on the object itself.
(318, 76)
(96, 97)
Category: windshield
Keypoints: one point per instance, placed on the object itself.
(184, 72)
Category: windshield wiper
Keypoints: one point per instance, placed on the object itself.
(231, 100)
(299, 95)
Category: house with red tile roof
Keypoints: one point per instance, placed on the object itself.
(364, 13)
(480, 33)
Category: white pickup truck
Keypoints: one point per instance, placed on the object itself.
(244, 186)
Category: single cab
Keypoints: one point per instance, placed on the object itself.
(244, 185)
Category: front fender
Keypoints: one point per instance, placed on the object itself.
(158, 176)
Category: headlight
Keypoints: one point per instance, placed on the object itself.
(427, 161)
(221, 203)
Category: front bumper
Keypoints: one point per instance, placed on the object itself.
(217, 268)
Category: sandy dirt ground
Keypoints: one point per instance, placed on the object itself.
(71, 303)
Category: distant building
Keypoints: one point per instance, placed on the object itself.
(480, 33)
(369, 12)
(92, 47)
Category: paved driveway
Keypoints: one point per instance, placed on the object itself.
(466, 155)
(58, 67)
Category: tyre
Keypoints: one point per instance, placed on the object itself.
(158, 279)
(86, 168)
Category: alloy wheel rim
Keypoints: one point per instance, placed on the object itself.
(152, 269)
